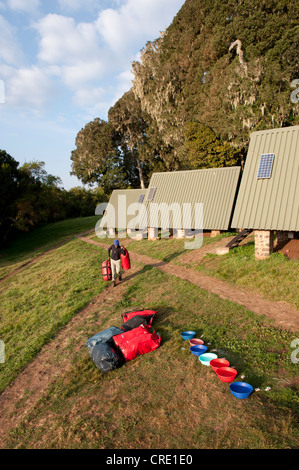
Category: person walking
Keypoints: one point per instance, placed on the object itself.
(115, 251)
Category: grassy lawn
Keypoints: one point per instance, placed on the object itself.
(167, 399)
(276, 278)
(37, 302)
(29, 245)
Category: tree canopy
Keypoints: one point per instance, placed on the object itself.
(29, 196)
(221, 70)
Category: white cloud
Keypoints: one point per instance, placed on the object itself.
(89, 97)
(135, 21)
(28, 88)
(71, 52)
(10, 50)
(25, 6)
(84, 57)
(63, 41)
(82, 73)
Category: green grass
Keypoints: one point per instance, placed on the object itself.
(29, 245)
(37, 302)
(167, 399)
(276, 278)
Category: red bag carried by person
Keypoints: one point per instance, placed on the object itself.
(106, 270)
(136, 342)
(125, 261)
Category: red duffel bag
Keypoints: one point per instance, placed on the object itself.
(144, 313)
(106, 270)
(136, 342)
(125, 260)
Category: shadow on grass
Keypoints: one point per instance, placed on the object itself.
(172, 256)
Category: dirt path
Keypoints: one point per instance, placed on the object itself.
(282, 313)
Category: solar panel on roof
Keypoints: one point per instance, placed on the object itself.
(266, 165)
(141, 198)
(151, 194)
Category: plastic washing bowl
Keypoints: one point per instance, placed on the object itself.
(205, 359)
(226, 374)
(188, 335)
(216, 363)
(241, 390)
(195, 341)
(198, 349)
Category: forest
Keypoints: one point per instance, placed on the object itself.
(220, 71)
(29, 197)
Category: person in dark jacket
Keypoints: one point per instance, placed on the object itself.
(114, 251)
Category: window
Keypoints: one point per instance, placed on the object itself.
(151, 194)
(141, 198)
(266, 165)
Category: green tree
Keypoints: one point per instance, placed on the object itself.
(96, 151)
(225, 64)
(9, 180)
(36, 170)
(127, 119)
(206, 150)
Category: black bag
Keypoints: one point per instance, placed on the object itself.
(137, 321)
(105, 357)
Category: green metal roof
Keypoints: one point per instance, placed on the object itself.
(270, 203)
(121, 199)
(215, 188)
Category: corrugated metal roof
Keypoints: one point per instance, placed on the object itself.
(270, 204)
(214, 188)
(121, 199)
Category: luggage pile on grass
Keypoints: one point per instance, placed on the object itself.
(114, 346)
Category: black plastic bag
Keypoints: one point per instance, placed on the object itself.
(105, 357)
(137, 321)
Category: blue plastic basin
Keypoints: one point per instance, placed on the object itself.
(241, 390)
(188, 335)
(198, 349)
(205, 359)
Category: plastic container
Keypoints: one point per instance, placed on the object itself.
(205, 359)
(198, 349)
(196, 341)
(188, 335)
(226, 374)
(241, 390)
(216, 363)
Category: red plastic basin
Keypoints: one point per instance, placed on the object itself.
(216, 363)
(195, 341)
(226, 374)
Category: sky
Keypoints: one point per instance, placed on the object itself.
(64, 63)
